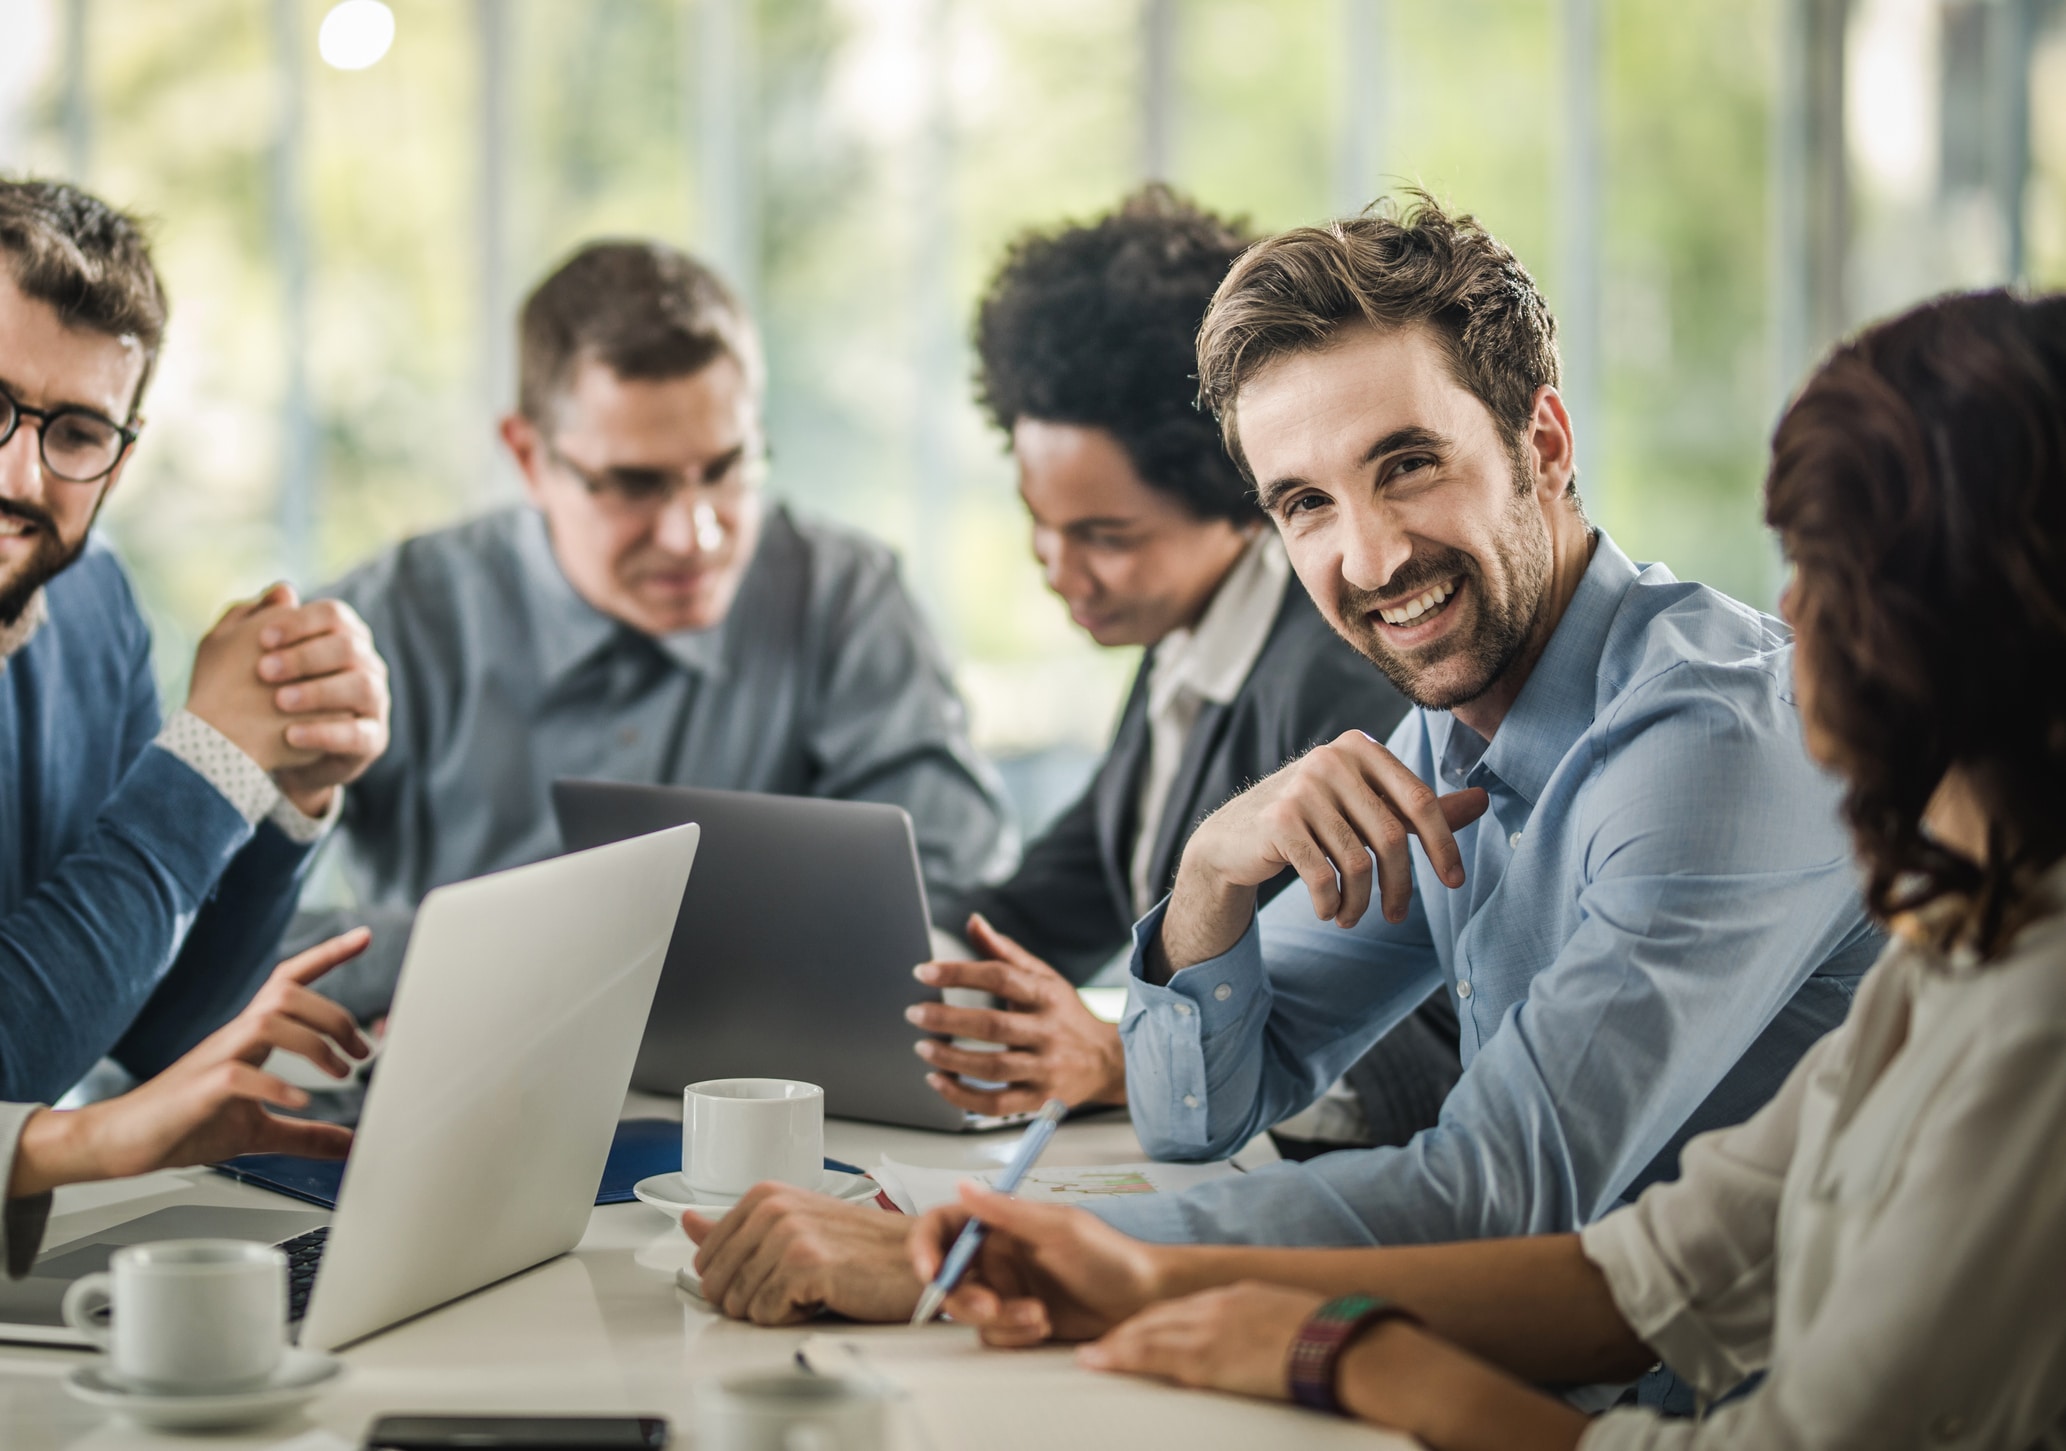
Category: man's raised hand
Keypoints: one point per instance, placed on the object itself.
(1339, 816)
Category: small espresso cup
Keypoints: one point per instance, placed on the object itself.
(199, 1316)
(737, 1132)
(787, 1410)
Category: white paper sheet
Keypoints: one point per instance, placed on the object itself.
(916, 1189)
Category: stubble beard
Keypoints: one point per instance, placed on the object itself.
(1505, 622)
(52, 558)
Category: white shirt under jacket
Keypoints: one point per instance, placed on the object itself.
(1887, 1237)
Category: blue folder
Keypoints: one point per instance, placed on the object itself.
(642, 1148)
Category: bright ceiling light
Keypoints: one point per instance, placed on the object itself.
(356, 34)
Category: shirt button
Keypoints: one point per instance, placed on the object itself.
(1190, 1100)
(1948, 1427)
(1223, 992)
(1463, 989)
(1514, 841)
(1183, 1010)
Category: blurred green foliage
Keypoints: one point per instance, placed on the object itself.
(1042, 122)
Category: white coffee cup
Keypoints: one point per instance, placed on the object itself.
(737, 1132)
(790, 1411)
(196, 1316)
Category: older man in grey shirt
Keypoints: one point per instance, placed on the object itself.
(648, 616)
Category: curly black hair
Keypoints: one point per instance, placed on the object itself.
(1096, 324)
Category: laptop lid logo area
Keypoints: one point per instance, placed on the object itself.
(515, 1023)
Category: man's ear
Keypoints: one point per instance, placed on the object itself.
(527, 446)
(1551, 444)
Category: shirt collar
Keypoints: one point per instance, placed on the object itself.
(13, 637)
(567, 630)
(1556, 705)
(1213, 659)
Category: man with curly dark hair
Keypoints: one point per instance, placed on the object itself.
(1086, 341)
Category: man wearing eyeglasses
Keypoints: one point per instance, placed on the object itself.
(146, 867)
(649, 616)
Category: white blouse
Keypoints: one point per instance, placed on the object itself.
(1887, 1237)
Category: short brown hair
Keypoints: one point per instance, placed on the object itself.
(1919, 485)
(1397, 265)
(89, 261)
(643, 309)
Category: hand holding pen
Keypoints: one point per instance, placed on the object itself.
(1038, 1133)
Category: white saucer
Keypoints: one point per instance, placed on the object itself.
(300, 1375)
(670, 1193)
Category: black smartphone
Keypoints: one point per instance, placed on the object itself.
(517, 1433)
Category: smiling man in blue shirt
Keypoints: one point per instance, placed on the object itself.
(1598, 831)
(1599, 828)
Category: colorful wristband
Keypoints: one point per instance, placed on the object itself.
(1317, 1350)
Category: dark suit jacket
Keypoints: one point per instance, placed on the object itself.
(1069, 901)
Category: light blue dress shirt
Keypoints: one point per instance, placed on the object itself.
(1660, 915)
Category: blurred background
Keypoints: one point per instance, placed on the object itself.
(350, 199)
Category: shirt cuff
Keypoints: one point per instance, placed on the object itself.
(1653, 1302)
(301, 828)
(1166, 1027)
(222, 763)
(21, 1220)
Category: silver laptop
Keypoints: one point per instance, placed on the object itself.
(520, 1006)
(794, 951)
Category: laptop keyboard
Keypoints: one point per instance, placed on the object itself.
(304, 1256)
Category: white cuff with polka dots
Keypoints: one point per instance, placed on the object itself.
(244, 783)
(301, 828)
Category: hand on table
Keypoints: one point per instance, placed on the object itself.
(1045, 1271)
(1325, 815)
(1236, 1338)
(211, 1103)
(785, 1254)
(1054, 1046)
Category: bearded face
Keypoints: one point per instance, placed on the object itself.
(1448, 623)
(45, 556)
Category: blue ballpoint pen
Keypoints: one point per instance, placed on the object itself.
(970, 1239)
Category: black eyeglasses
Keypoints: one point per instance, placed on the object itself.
(77, 444)
(639, 490)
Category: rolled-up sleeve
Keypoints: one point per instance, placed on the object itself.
(1691, 1264)
(1942, 1324)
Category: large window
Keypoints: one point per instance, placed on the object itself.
(1708, 190)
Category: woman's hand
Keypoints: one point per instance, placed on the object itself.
(1237, 1338)
(1396, 1374)
(1045, 1272)
(212, 1103)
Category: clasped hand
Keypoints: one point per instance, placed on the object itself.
(297, 687)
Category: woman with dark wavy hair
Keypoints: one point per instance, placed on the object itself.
(1886, 1241)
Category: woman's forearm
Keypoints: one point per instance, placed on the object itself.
(54, 1148)
(1536, 1307)
(1403, 1378)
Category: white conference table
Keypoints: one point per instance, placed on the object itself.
(604, 1330)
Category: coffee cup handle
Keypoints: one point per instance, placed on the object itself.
(80, 1315)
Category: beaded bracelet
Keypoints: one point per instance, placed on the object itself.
(1317, 1350)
